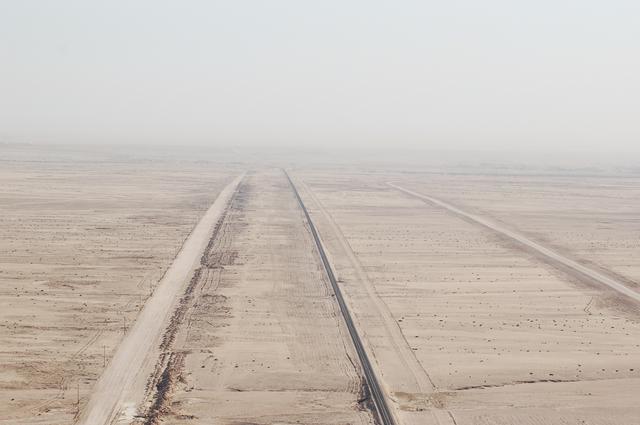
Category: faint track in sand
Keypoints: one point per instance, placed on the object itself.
(405, 355)
(552, 256)
(121, 388)
(409, 375)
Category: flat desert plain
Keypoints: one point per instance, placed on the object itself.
(461, 324)
(592, 218)
(262, 340)
(499, 334)
(82, 246)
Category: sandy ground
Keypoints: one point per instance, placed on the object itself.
(462, 325)
(504, 337)
(594, 218)
(82, 245)
(261, 340)
(122, 385)
(546, 254)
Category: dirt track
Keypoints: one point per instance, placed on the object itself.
(505, 337)
(394, 358)
(463, 323)
(122, 386)
(577, 268)
(262, 338)
(82, 245)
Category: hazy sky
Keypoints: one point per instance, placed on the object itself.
(456, 74)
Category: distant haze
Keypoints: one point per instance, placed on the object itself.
(325, 74)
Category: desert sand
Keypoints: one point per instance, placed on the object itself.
(83, 245)
(260, 339)
(504, 337)
(592, 217)
(462, 325)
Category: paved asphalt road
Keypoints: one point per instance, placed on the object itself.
(382, 409)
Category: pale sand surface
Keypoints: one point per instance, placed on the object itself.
(493, 326)
(594, 218)
(82, 244)
(262, 340)
(463, 327)
(581, 272)
(123, 383)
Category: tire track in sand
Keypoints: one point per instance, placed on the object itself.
(422, 380)
(552, 257)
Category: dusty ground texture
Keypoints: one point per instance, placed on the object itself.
(503, 337)
(261, 339)
(463, 326)
(82, 244)
(592, 218)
